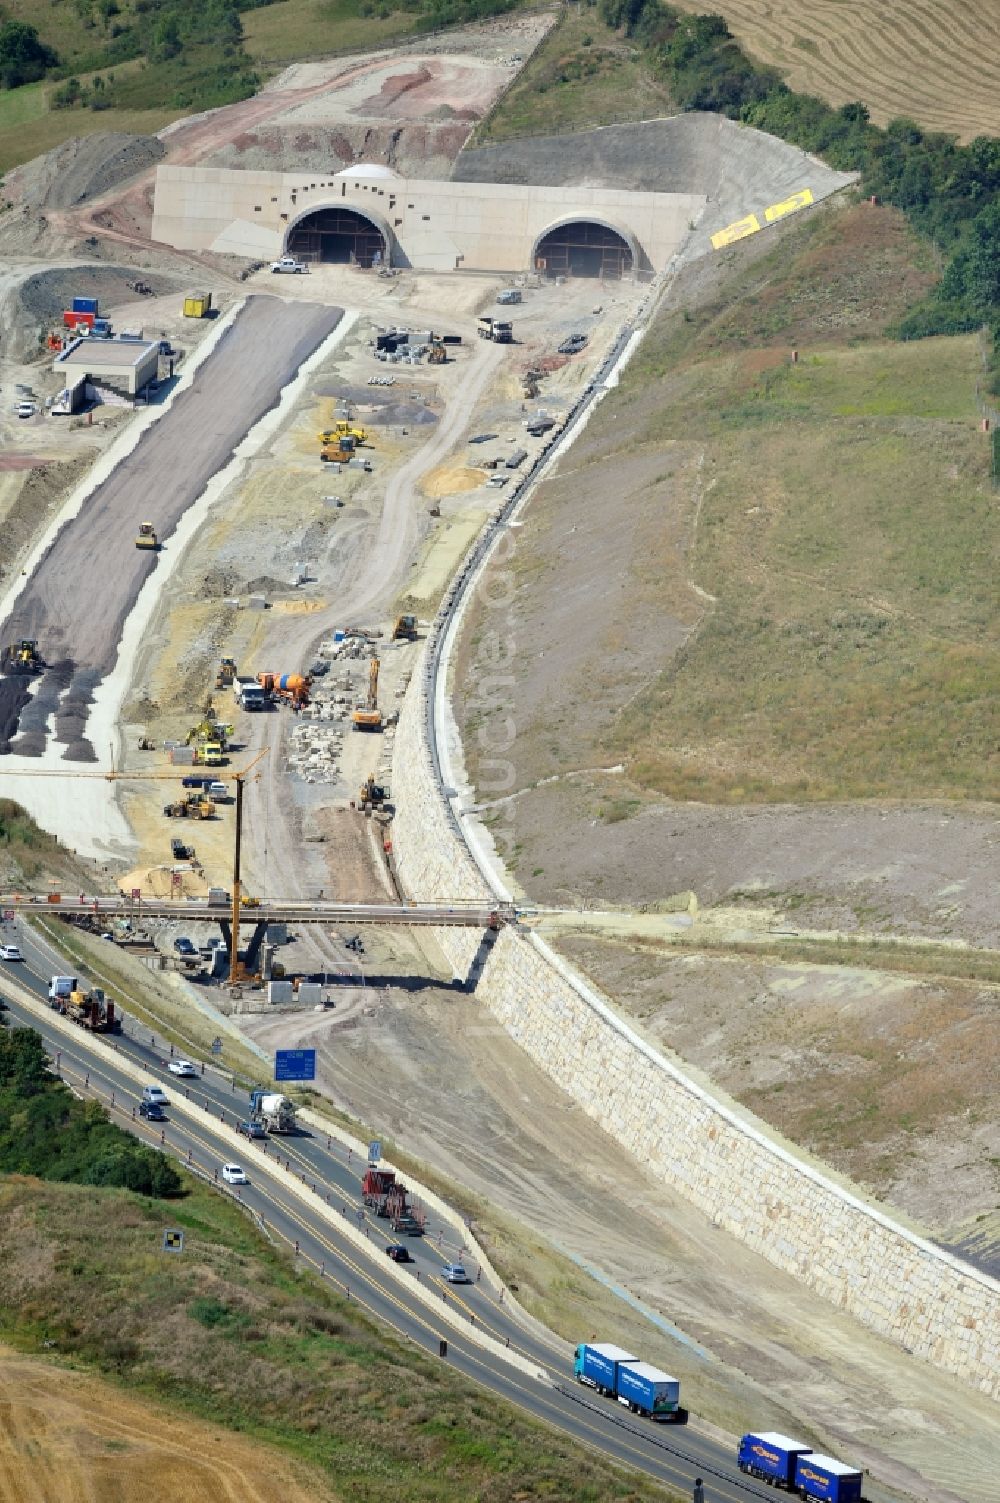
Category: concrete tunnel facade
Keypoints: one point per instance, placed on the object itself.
(427, 225)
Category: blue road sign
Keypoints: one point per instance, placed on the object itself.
(374, 1150)
(295, 1064)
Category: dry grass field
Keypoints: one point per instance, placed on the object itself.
(68, 1438)
(937, 63)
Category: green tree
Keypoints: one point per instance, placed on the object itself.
(23, 58)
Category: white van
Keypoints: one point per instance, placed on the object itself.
(218, 793)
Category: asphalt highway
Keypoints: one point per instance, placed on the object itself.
(673, 1455)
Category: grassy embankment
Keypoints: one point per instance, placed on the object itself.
(836, 516)
(584, 74)
(847, 534)
(232, 1333)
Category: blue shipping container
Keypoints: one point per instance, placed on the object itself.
(85, 305)
(648, 1389)
(598, 1365)
(771, 1455)
(831, 1481)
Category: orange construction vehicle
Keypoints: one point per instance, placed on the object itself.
(368, 717)
(291, 687)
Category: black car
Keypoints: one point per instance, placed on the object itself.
(179, 850)
(398, 1253)
(183, 945)
(152, 1111)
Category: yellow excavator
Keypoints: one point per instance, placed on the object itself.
(369, 717)
(372, 795)
(147, 538)
(405, 629)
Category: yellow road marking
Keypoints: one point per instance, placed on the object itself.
(739, 230)
(789, 205)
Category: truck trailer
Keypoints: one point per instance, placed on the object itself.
(597, 1366)
(646, 1390)
(771, 1457)
(823, 1478)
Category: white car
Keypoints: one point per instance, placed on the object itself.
(26, 409)
(155, 1094)
(10, 952)
(454, 1273)
(289, 263)
(234, 1174)
(182, 1067)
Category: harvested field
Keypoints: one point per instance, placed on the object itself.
(240, 381)
(66, 1438)
(938, 65)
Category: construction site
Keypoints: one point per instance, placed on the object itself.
(269, 418)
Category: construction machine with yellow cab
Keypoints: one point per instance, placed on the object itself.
(372, 795)
(405, 629)
(368, 717)
(23, 657)
(146, 537)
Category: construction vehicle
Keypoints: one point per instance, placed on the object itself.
(291, 687)
(147, 538)
(372, 795)
(210, 729)
(369, 717)
(500, 330)
(437, 354)
(405, 629)
(90, 1010)
(226, 674)
(191, 807)
(343, 429)
(23, 657)
(209, 754)
(273, 1111)
(382, 1194)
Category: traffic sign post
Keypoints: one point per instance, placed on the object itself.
(374, 1151)
(216, 1046)
(295, 1064)
(173, 1239)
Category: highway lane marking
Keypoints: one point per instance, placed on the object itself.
(415, 1316)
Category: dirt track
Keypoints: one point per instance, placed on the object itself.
(87, 583)
(65, 1438)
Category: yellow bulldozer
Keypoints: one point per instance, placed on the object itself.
(437, 354)
(343, 430)
(147, 538)
(405, 629)
(23, 657)
(191, 807)
(368, 717)
(226, 674)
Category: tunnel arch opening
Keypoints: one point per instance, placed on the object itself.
(585, 248)
(337, 235)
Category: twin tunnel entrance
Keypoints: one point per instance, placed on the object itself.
(341, 236)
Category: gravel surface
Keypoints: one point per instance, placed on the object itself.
(86, 584)
(739, 169)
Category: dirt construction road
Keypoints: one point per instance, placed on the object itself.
(80, 595)
(66, 1438)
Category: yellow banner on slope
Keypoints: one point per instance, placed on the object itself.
(738, 231)
(789, 205)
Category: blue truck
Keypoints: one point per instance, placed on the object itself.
(619, 1374)
(824, 1478)
(771, 1457)
(794, 1465)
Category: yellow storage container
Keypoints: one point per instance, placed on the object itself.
(198, 306)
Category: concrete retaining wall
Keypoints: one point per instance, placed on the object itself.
(726, 1164)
